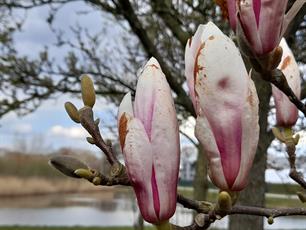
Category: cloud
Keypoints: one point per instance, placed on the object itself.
(22, 128)
(68, 132)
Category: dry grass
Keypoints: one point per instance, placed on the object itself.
(15, 186)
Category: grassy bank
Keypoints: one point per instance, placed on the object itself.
(68, 228)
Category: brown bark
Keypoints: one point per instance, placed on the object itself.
(254, 194)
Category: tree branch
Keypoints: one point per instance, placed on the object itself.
(168, 14)
(128, 12)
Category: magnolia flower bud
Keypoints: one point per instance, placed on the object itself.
(149, 138)
(226, 103)
(286, 111)
(261, 23)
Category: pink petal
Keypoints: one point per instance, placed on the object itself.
(205, 135)
(232, 13)
(270, 23)
(250, 135)
(247, 19)
(138, 158)
(256, 8)
(145, 94)
(165, 146)
(221, 93)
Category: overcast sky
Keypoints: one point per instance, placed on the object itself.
(50, 122)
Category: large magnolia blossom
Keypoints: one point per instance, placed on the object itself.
(286, 112)
(149, 139)
(261, 23)
(226, 103)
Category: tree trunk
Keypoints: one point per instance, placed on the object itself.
(200, 183)
(254, 194)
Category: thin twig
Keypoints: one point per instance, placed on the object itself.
(87, 121)
(294, 174)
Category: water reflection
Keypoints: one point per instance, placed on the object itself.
(108, 208)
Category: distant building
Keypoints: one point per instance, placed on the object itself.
(188, 165)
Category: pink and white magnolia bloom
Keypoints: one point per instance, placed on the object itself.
(262, 22)
(149, 138)
(226, 103)
(286, 112)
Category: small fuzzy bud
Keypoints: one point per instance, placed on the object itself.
(67, 165)
(276, 58)
(84, 173)
(296, 139)
(72, 112)
(270, 220)
(278, 134)
(96, 181)
(88, 91)
(116, 169)
(224, 201)
(90, 140)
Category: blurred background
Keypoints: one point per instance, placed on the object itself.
(45, 46)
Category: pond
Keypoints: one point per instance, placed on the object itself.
(108, 208)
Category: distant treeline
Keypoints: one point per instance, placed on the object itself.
(34, 165)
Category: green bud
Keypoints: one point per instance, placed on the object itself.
(67, 165)
(296, 139)
(224, 201)
(84, 173)
(96, 181)
(90, 140)
(116, 169)
(72, 112)
(88, 91)
(270, 220)
(275, 58)
(278, 134)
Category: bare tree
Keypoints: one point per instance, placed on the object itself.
(155, 28)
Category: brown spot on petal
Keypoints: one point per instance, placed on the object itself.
(155, 66)
(286, 62)
(123, 129)
(189, 41)
(250, 98)
(223, 83)
(197, 67)
(212, 37)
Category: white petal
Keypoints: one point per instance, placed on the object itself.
(125, 106)
(192, 50)
(222, 79)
